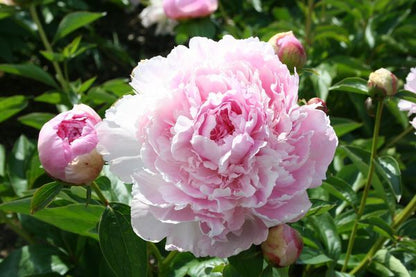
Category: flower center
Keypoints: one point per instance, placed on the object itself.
(71, 129)
(223, 127)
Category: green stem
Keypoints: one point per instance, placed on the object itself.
(169, 258)
(21, 232)
(48, 47)
(398, 137)
(155, 251)
(367, 184)
(398, 220)
(308, 24)
(100, 195)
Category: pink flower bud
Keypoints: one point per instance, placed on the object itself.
(67, 146)
(289, 50)
(320, 104)
(183, 9)
(383, 82)
(282, 246)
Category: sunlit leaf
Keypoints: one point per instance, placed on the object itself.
(74, 21)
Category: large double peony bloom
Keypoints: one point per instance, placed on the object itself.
(216, 146)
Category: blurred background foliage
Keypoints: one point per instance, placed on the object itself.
(92, 46)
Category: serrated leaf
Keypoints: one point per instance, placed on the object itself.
(352, 84)
(35, 120)
(123, 250)
(74, 21)
(29, 71)
(344, 126)
(11, 105)
(44, 195)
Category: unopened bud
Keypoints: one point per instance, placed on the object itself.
(382, 82)
(67, 145)
(289, 50)
(321, 105)
(282, 246)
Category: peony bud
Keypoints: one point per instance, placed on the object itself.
(183, 9)
(321, 105)
(282, 246)
(67, 146)
(382, 82)
(289, 50)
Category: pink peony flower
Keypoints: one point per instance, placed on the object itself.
(67, 145)
(282, 246)
(183, 9)
(216, 146)
(410, 86)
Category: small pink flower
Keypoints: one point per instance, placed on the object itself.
(67, 145)
(216, 146)
(289, 50)
(183, 9)
(282, 246)
(410, 86)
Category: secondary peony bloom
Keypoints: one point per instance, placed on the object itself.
(183, 9)
(216, 146)
(289, 50)
(410, 86)
(154, 14)
(67, 145)
(282, 246)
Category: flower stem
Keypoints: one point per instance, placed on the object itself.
(100, 195)
(367, 184)
(169, 258)
(398, 220)
(21, 232)
(48, 47)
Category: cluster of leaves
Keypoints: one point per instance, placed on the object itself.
(54, 54)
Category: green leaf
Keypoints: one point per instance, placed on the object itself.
(385, 264)
(35, 120)
(389, 171)
(256, 5)
(123, 250)
(86, 85)
(202, 268)
(352, 84)
(44, 195)
(29, 71)
(322, 81)
(344, 126)
(319, 207)
(72, 48)
(380, 226)
(11, 105)
(340, 189)
(75, 218)
(18, 163)
(248, 263)
(34, 171)
(74, 21)
(119, 87)
(325, 227)
(406, 95)
(312, 256)
(53, 57)
(51, 97)
(33, 260)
